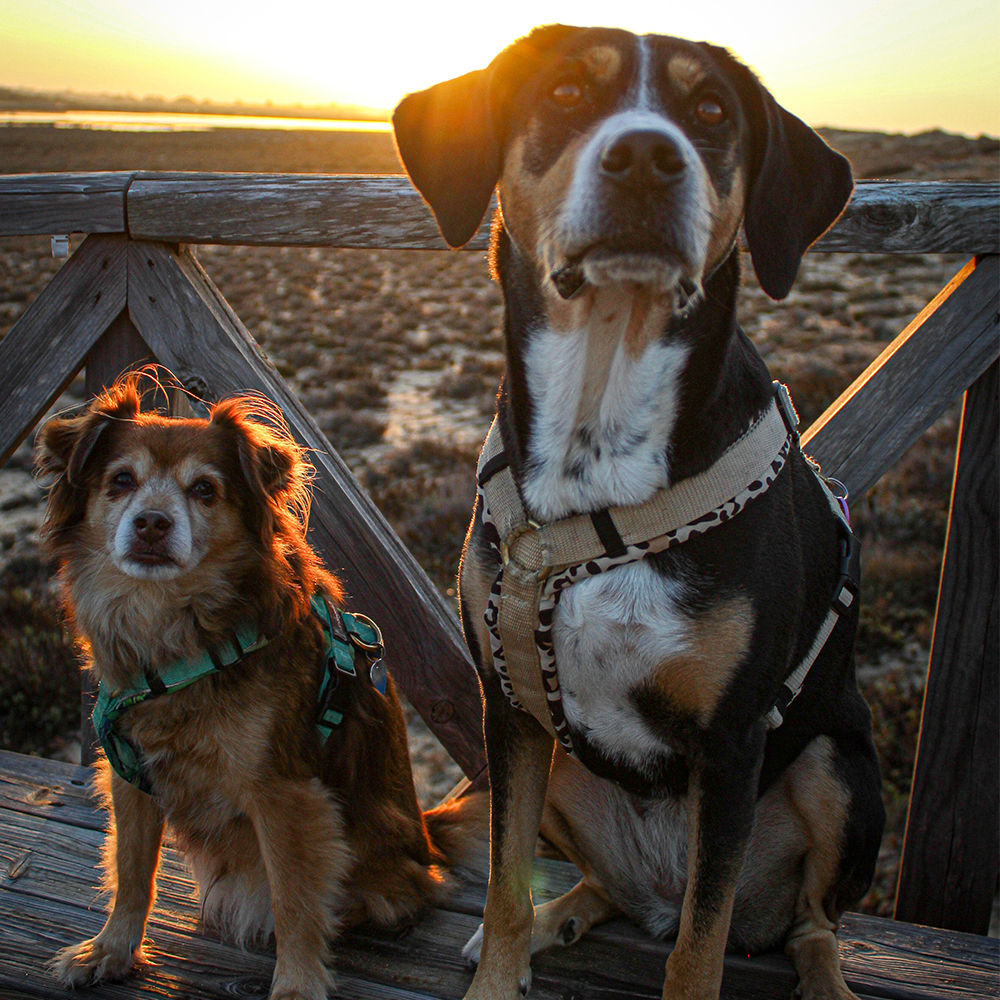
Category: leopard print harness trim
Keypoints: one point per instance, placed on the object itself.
(552, 557)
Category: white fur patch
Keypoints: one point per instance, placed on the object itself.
(611, 632)
(236, 904)
(625, 461)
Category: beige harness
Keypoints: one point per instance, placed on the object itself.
(540, 560)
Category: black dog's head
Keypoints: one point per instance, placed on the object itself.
(623, 159)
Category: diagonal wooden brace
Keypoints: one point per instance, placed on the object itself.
(47, 346)
(192, 330)
(953, 340)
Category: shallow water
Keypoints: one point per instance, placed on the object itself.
(156, 121)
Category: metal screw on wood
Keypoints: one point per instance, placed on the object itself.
(442, 712)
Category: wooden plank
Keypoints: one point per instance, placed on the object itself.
(913, 381)
(59, 794)
(387, 212)
(185, 965)
(615, 961)
(192, 330)
(285, 210)
(881, 957)
(41, 204)
(918, 217)
(951, 855)
(47, 345)
(120, 349)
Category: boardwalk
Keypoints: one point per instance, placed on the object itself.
(51, 833)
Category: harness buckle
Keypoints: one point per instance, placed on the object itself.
(787, 408)
(372, 650)
(849, 583)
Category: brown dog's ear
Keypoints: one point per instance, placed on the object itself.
(55, 442)
(267, 466)
(271, 462)
(448, 145)
(63, 445)
(798, 185)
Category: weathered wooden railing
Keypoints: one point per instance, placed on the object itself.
(134, 292)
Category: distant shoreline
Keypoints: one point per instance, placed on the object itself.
(167, 121)
(16, 99)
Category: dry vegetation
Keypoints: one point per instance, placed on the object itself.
(397, 355)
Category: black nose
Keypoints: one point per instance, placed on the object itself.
(152, 525)
(642, 157)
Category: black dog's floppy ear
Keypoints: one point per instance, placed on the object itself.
(798, 187)
(447, 143)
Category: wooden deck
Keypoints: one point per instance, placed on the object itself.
(50, 836)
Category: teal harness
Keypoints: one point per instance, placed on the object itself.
(346, 635)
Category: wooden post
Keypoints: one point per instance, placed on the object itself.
(119, 349)
(948, 874)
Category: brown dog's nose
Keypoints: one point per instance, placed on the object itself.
(642, 157)
(152, 525)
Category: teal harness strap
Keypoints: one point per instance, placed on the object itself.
(345, 635)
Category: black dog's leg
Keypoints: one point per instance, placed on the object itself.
(519, 752)
(720, 810)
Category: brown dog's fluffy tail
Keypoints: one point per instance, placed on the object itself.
(459, 828)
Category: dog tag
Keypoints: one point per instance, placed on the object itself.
(378, 676)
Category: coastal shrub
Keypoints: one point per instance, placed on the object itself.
(39, 669)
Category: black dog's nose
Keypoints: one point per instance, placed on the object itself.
(152, 525)
(642, 157)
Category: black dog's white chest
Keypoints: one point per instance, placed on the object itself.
(613, 633)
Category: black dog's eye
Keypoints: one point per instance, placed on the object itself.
(123, 481)
(709, 111)
(567, 94)
(203, 490)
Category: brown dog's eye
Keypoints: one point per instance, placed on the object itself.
(709, 111)
(567, 94)
(203, 490)
(123, 481)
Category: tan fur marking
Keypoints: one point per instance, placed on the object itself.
(823, 802)
(531, 205)
(685, 73)
(566, 919)
(727, 215)
(603, 62)
(694, 969)
(696, 679)
(505, 959)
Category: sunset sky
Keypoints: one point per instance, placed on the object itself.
(897, 65)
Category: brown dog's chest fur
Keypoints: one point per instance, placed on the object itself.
(207, 745)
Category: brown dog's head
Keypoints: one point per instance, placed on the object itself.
(623, 159)
(182, 503)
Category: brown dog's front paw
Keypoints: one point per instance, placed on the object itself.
(93, 961)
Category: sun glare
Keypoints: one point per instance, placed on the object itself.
(895, 64)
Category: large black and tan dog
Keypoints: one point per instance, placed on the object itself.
(625, 167)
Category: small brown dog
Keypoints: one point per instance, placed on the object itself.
(170, 534)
